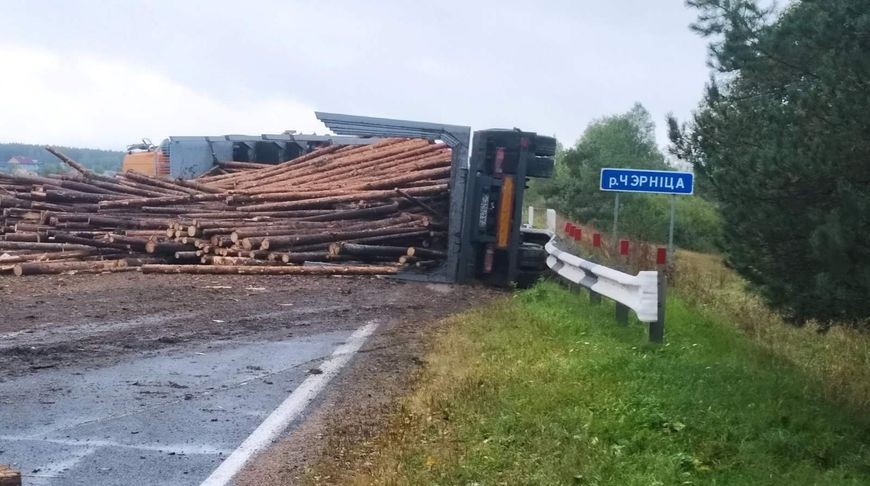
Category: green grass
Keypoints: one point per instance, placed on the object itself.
(544, 388)
(839, 357)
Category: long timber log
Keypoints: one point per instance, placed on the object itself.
(20, 245)
(271, 270)
(357, 249)
(22, 269)
(425, 253)
(166, 247)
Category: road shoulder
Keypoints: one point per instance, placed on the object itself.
(340, 428)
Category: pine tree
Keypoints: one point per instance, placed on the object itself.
(783, 137)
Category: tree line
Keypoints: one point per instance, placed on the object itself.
(780, 145)
(625, 140)
(100, 161)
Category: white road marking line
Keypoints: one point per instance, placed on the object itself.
(289, 409)
(183, 449)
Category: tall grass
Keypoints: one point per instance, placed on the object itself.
(838, 358)
(545, 388)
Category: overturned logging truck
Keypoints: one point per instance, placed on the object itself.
(383, 197)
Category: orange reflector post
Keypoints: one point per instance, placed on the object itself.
(505, 210)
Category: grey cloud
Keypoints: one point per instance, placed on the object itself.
(546, 66)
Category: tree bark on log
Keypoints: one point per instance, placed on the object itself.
(310, 256)
(366, 250)
(159, 201)
(166, 247)
(291, 241)
(425, 253)
(326, 201)
(271, 270)
(22, 269)
(59, 255)
(356, 213)
(25, 236)
(9, 477)
(78, 167)
(154, 181)
(229, 164)
(67, 238)
(21, 245)
(238, 261)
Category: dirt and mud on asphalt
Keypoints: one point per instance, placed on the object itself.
(55, 321)
(50, 324)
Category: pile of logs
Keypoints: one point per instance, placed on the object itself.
(371, 209)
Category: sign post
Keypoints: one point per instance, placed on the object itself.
(650, 182)
(671, 229)
(614, 233)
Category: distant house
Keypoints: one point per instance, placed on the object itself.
(20, 163)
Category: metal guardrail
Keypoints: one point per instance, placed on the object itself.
(643, 293)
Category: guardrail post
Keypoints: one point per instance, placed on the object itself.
(594, 297)
(621, 314)
(621, 309)
(657, 328)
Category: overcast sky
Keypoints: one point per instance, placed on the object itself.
(107, 73)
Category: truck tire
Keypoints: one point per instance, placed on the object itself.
(532, 256)
(532, 264)
(545, 146)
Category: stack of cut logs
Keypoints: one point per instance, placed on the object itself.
(371, 209)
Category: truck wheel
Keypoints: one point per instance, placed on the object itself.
(532, 264)
(545, 146)
(532, 256)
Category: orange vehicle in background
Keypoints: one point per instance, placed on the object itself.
(146, 158)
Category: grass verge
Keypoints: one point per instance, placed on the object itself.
(544, 388)
(838, 358)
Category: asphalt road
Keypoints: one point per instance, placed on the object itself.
(168, 418)
(127, 379)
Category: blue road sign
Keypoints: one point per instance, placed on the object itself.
(654, 181)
